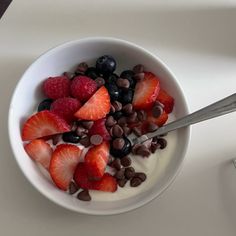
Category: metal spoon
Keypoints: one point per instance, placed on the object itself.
(216, 109)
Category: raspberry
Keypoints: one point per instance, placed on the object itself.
(56, 87)
(65, 108)
(82, 87)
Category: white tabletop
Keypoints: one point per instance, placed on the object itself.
(198, 42)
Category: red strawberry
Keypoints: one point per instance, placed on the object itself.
(168, 101)
(81, 177)
(39, 151)
(82, 87)
(100, 128)
(97, 107)
(65, 108)
(107, 184)
(146, 91)
(56, 87)
(96, 160)
(64, 160)
(43, 123)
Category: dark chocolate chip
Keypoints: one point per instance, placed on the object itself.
(139, 76)
(82, 67)
(85, 141)
(110, 121)
(84, 195)
(56, 138)
(120, 174)
(73, 188)
(122, 182)
(151, 127)
(96, 139)
(142, 115)
(100, 81)
(117, 105)
(116, 164)
(157, 103)
(141, 176)
(154, 147)
(137, 131)
(128, 109)
(126, 130)
(135, 148)
(138, 69)
(125, 161)
(69, 75)
(74, 126)
(87, 124)
(123, 83)
(112, 109)
(118, 143)
(117, 131)
(143, 151)
(132, 117)
(122, 121)
(162, 142)
(157, 111)
(80, 131)
(135, 182)
(129, 172)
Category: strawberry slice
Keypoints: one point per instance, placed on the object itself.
(96, 160)
(97, 107)
(43, 123)
(168, 101)
(63, 163)
(39, 151)
(146, 91)
(99, 127)
(107, 184)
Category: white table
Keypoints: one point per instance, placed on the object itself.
(198, 42)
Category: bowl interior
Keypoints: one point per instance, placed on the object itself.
(64, 58)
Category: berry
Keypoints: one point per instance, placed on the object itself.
(45, 104)
(56, 87)
(106, 64)
(71, 137)
(111, 79)
(129, 75)
(168, 101)
(97, 107)
(39, 151)
(117, 115)
(96, 160)
(113, 91)
(146, 92)
(126, 96)
(119, 153)
(63, 163)
(107, 184)
(43, 123)
(92, 73)
(82, 88)
(65, 108)
(100, 129)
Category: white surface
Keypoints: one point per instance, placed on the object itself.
(198, 42)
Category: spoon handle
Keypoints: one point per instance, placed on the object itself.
(216, 109)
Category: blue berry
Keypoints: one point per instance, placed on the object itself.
(106, 64)
(92, 72)
(111, 79)
(45, 104)
(126, 96)
(70, 137)
(113, 91)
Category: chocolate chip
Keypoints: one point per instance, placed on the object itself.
(138, 69)
(112, 109)
(162, 142)
(56, 139)
(85, 141)
(117, 105)
(69, 75)
(137, 131)
(120, 174)
(151, 127)
(154, 147)
(143, 151)
(84, 195)
(118, 143)
(147, 143)
(80, 131)
(123, 83)
(128, 109)
(87, 124)
(110, 121)
(157, 111)
(139, 76)
(126, 130)
(74, 126)
(157, 103)
(132, 117)
(82, 67)
(135, 148)
(141, 176)
(129, 172)
(122, 121)
(135, 182)
(73, 188)
(116, 164)
(116, 131)
(125, 161)
(100, 81)
(142, 115)
(96, 139)
(122, 182)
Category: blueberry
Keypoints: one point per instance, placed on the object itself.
(126, 96)
(123, 152)
(111, 79)
(117, 115)
(106, 64)
(92, 72)
(45, 104)
(70, 137)
(113, 91)
(129, 75)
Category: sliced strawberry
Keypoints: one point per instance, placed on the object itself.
(107, 184)
(96, 160)
(43, 123)
(99, 127)
(97, 107)
(168, 101)
(146, 91)
(63, 163)
(39, 151)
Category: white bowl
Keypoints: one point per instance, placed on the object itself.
(63, 58)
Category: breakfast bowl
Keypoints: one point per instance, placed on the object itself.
(161, 167)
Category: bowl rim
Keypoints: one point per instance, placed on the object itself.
(136, 47)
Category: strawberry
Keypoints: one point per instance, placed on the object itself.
(96, 160)
(65, 108)
(43, 123)
(107, 183)
(39, 151)
(82, 88)
(56, 87)
(63, 163)
(146, 91)
(168, 101)
(97, 107)
(100, 128)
